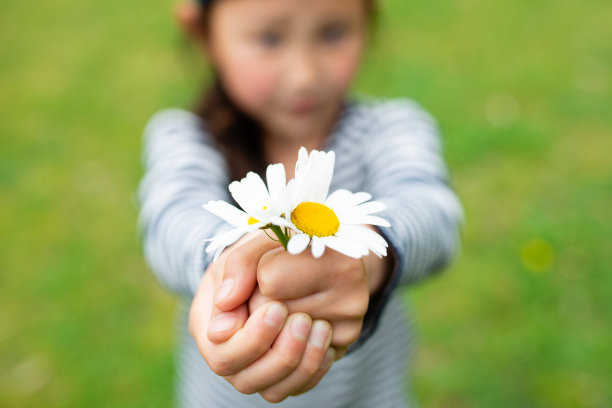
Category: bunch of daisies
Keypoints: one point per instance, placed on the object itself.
(301, 213)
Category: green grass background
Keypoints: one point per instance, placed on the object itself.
(523, 93)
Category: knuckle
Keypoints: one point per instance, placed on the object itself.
(357, 307)
(268, 281)
(311, 384)
(244, 387)
(273, 396)
(219, 366)
(346, 335)
(310, 366)
(353, 270)
(362, 302)
(290, 361)
(235, 260)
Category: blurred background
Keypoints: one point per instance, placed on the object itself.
(523, 93)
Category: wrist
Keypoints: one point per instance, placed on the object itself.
(377, 270)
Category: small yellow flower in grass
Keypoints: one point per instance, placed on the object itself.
(258, 202)
(335, 221)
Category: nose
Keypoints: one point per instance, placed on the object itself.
(302, 71)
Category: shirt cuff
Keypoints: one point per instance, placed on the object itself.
(379, 300)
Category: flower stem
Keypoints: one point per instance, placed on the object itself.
(283, 239)
(273, 239)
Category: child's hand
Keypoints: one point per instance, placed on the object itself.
(334, 288)
(267, 352)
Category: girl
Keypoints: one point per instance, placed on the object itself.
(260, 325)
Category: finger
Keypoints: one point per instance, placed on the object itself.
(248, 343)
(240, 271)
(257, 299)
(223, 325)
(277, 363)
(346, 332)
(281, 275)
(311, 364)
(200, 310)
(328, 360)
(325, 305)
(341, 352)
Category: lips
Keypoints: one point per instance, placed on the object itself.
(302, 108)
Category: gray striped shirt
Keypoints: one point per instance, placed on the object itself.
(390, 149)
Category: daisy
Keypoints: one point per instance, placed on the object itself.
(258, 202)
(335, 221)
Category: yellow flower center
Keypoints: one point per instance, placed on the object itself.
(315, 219)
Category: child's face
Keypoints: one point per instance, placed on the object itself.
(288, 63)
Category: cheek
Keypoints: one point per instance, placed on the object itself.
(249, 83)
(342, 69)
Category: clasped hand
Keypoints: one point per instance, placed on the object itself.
(273, 323)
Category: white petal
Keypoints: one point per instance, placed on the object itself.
(317, 247)
(250, 193)
(371, 207)
(298, 243)
(302, 159)
(366, 236)
(360, 197)
(225, 239)
(281, 222)
(286, 201)
(364, 233)
(277, 180)
(220, 242)
(228, 212)
(347, 247)
(338, 198)
(347, 218)
(346, 199)
(322, 175)
(313, 177)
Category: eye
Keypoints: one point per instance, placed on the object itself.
(333, 33)
(270, 39)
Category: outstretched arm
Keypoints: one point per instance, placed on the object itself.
(183, 170)
(406, 171)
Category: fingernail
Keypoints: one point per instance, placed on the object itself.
(222, 322)
(329, 357)
(275, 315)
(300, 327)
(319, 335)
(224, 290)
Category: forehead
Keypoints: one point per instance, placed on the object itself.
(241, 13)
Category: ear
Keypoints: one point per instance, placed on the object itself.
(188, 15)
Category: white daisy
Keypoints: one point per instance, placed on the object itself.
(258, 202)
(335, 221)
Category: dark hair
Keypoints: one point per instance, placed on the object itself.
(239, 136)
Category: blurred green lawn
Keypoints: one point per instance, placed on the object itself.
(523, 92)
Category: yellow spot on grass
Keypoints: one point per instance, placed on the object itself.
(537, 255)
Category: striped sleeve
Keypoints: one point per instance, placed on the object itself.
(405, 170)
(183, 170)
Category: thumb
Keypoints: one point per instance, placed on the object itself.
(240, 271)
(224, 325)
